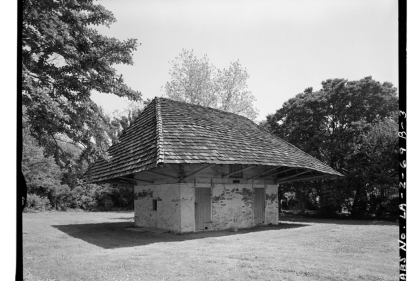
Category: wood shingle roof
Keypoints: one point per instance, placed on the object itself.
(169, 131)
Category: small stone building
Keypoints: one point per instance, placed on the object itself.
(197, 168)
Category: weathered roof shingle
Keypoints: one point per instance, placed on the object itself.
(169, 131)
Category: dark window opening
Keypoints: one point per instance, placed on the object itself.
(234, 168)
(154, 204)
(236, 181)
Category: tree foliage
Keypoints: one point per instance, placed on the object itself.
(350, 126)
(39, 171)
(120, 120)
(373, 168)
(43, 176)
(327, 122)
(196, 81)
(64, 59)
(52, 187)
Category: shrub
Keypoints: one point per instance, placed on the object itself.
(123, 197)
(389, 210)
(37, 203)
(108, 204)
(84, 197)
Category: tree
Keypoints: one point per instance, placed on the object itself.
(39, 171)
(120, 120)
(329, 123)
(43, 176)
(64, 59)
(191, 80)
(60, 188)
(232, 93)
(374, 162)
(197, 81)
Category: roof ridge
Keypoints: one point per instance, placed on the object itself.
(159, 134)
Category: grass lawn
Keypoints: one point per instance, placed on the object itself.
(97, 246)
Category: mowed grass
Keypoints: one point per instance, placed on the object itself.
(97, 246)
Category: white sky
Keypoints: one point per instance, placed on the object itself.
(285, 45)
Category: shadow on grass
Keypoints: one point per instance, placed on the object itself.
(116, 235)
(345, 221)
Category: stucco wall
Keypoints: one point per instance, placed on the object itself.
(232, 206)
(187, 207)
(168, 213)
(271, 205)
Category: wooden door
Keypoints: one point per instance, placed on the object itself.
(202, 207)
(259, 205)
